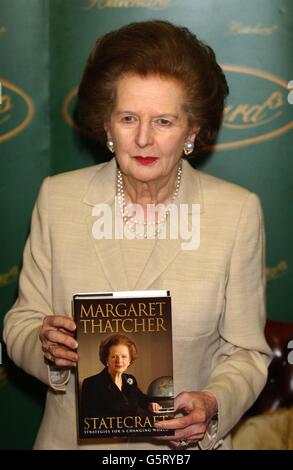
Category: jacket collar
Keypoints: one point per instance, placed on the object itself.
(102, 187)
(102, 190)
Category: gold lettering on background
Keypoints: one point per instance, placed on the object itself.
(277, 271)
(133, 317)
(236, 27)
(121, 310)
(152, 4)
(120, 422)
(9, 277)
(5, 108)
(244, 116)
(8, 104)
(256, 114)
(3, 30)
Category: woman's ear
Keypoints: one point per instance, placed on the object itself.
(193, 133)
(107, 130)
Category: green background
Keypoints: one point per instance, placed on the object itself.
(43, 48)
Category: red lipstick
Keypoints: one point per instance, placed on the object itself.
(145, 160)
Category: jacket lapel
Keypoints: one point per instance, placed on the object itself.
(102, 191)
(165, 251)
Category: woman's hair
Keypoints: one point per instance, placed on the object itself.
(115, 340)
(153, 48)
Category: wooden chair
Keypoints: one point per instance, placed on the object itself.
(268, 425)
(278, 392)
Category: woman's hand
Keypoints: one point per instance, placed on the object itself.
(57, 342)
(154, 407)
(199, 408)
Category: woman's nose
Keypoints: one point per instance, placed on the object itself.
(144, 135)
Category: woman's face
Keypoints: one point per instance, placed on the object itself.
(118, 359)
(148, 121)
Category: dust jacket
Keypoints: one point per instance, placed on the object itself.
(125, 367)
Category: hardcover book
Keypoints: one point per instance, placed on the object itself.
(125, 366)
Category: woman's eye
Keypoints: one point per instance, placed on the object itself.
(128, 119)
(164, 122)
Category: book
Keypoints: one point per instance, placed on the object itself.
(125, 366)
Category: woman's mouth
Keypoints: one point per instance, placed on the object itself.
(145, 160)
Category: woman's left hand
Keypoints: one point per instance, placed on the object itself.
(199, 408)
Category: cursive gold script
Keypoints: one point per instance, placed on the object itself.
(245, 116)
(152, 4)
(239, 28)
(277, 271)
(9, 277)
(5, 108)
(3, 376)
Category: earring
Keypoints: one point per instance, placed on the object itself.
(110, 145)
(188, 148)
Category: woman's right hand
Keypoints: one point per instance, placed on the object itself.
(154, 407)
(58, 344)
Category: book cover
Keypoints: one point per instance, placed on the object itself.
(125, 366)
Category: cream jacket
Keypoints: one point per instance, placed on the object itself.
(217, 295)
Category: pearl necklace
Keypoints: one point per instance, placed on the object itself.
(131, 221)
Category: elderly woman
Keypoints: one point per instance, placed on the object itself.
(112, 392)
(153, 92)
